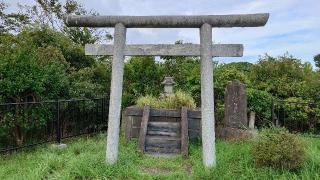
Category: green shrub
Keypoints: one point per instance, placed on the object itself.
(173, 101)
(277, 148)
(259, 102)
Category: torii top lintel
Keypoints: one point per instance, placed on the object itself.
(235, 20)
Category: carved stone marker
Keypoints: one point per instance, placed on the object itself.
(206, 50)
(235, 114)
(235, 111)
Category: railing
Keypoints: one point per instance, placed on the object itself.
(302, 117)
(31, 123)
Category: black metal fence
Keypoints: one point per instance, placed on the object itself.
(302, 117)
(32, 123)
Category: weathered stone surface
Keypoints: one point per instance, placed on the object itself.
(116, 94)
(235, 106)
(235, 20)
(217, 50)
(230, 133)
(168, 83)
(252, 120)
(207, 98)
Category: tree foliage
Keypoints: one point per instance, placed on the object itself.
(43, 59)
(284, 77)
(40, 60)
(317, 60)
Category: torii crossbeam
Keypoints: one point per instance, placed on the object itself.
(206, 50)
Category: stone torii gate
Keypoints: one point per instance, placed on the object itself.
(206, 50)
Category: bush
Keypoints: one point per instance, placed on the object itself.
(172, 101)
(278, 148)
(260, 102)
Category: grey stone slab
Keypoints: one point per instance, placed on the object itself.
(115, 94)
(207, 98)
(235, 106)
(217, 50)
(234, 20)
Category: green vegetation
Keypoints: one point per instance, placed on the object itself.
(317, 60)
(43, 59)
(277, 148)
(84, 158)
(172, 101)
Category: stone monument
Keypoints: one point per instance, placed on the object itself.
(206, 50)
(235, 111)
(235, 124)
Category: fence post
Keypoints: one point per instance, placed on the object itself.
(58, 132)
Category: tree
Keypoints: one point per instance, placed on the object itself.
(317, 60)
(142, 76)
(40, 64)
(11, 21)
(51, 13)
(284, 77)
(29, 73)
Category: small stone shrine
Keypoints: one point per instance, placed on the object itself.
(168, 85)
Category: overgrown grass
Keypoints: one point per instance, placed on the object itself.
(172, 101)
(84, 158)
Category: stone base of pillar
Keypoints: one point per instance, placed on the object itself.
(230, 133)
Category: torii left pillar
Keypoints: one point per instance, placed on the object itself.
(116, 93)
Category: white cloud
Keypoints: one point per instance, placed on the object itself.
(294, 25)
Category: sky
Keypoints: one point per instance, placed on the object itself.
(293, 26)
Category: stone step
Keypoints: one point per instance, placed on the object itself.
(164, 129)
(167, 142)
